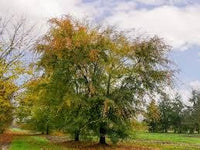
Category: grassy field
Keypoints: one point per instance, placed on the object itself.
(167, 141)
(25, 140)
(169, 137)
(33, 143)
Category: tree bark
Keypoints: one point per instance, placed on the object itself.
(108, 85)
(76, 137)
(102, 138)
(1, 131)
(47, 130)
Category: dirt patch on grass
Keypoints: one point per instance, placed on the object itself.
(77, 144)
(56, 139)
(5, 140)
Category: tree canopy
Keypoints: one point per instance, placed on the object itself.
(95, 78)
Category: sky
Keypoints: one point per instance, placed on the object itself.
(176, 21)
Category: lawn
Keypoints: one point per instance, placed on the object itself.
(166, 141)
(139, 141)
(33, 143)
(169, 137)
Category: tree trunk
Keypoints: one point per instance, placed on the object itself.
(76, 137)
(191, 131)
(47, 130)
(102, 139)
(165, 130)
(175, 130)
(1, 131)
(108, 85)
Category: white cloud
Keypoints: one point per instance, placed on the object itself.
(179, 26)
(166, 2)
(186, 95)
(195, 85)
(125, 6)
(186, 92)
(39, 10)
(151, 2)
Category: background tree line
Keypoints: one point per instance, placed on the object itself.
(171, 114)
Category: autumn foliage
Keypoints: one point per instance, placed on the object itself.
(92, 80)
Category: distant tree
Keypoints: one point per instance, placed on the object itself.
(177, 113)
(15, 38)
(7, 89)
(190, 114)
(33, 108)
(165, 107)
(153, 116)
(195, 116)
(187, 121)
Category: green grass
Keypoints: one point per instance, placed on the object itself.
(161, 141)
(163, 146)
(166, 141)
(33, 143)
(16, 130)
(169, 137)
(19, 131)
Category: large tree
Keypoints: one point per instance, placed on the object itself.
(108, 72)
